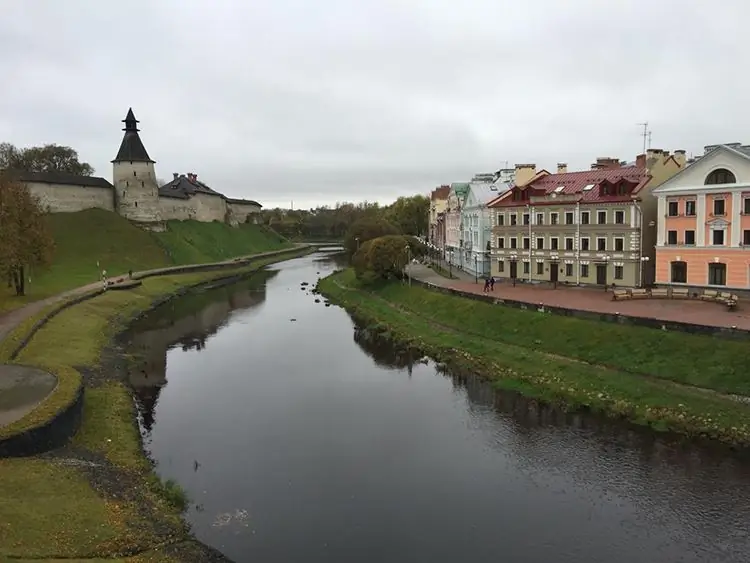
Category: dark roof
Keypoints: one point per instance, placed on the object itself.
(65, 179)
(183, 187)
(131, 148)
(440, 193)
(243, 201)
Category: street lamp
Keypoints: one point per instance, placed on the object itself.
(450, 263)
(606, 269)
(357, 239)
(476, 273)
(408, 262)
(644, 260)
(555, 263)
(513, 267)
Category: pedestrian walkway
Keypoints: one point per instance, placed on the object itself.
(22, 390)
(599, 301)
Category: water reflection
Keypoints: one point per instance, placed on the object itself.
(316, 446)
(187, 324)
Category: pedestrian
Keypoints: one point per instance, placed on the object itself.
(486, 285)
(492, 283)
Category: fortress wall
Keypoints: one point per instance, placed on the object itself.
(210, 208)
(63, 198)
(173, 209)
(239, 213)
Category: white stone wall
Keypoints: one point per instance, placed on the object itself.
(137, 194)
(63, 198)
(173, 209)
(210, 208)
(239, 213)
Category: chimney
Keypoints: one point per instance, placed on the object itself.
(175, 175)
(562, 167)
(640, 161)
(195, 177)
(524, 173)
(679, 156)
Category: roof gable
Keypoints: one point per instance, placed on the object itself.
(183, 187)
(736, 161)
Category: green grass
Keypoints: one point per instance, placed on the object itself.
(93, 240)
(524, 351)
(49, 510)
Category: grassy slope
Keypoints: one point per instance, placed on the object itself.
(87, 237)
(541, 355)
(52, 509)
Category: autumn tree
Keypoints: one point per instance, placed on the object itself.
(382, 257)
(25, 239)
(366, 229)
(410, 214)
(46, 158)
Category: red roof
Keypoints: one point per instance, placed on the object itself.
(634, 178)
(441, 193)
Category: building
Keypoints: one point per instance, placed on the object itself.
(703, 221)
(580, 227)
(476, 223)
(134, 192)
(438, 205)
(453, 225)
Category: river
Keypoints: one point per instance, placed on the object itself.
(298, 441)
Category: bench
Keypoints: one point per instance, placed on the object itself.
(620, 295)
(660, 292)
(680, 293)
(639, 294)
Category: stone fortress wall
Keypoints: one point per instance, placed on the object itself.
(135, 193)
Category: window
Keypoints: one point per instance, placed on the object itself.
(619, 245)
(568, 243)
(540, 218)
(746, 206)
(601, 244)
(720, 176)
(719, 207)
(513, 219)
(513, 242)
(526, 243)
(601, 217)
(619, 217)
(690, 238)
(569, 218)
(585, 217)
(585, 244)
(690, 208)
(746, 237)
(717, 237)
(500, 219)
(526, 219)
(500, 266)
(673, 209)
(553, 243)
(540, 268)
(678, 272)
(501, 242)
(525, 267)
(540, 243)
(618, 272)
(569, 270)
(671, 237)
(717, 274)
(553, 218)
(584, 270)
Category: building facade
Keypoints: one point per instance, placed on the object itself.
(453, 224)
(583, 228)
(438, 205)
(477, 223)
(704, 221)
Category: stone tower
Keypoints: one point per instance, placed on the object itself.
(134, 178)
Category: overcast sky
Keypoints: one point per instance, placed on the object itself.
(318, 102)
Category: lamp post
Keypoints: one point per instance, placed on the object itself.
(644, 261)
(357, 239)
(476, 273)
(450, 263)
(554, 263)
(408, 262)
(606, 270)
(513, 267)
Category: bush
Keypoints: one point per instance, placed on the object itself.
(365, 230)
(383, 257)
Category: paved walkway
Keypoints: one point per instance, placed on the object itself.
(22, 389)
(599, 301)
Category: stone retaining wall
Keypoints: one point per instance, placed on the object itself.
(722, 332)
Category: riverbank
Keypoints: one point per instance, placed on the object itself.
(98, 497)
(669, 381)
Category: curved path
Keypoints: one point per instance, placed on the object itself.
(23, 388)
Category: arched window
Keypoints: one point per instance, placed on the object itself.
(720, 176)
(678, 272)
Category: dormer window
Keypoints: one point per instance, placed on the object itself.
(720, 176)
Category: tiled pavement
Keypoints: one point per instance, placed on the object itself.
(597, 300)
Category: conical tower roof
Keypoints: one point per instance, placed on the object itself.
(131, 148)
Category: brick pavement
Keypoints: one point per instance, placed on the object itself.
(599, 301)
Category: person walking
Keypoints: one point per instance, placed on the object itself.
(486, 285)
(492, 283)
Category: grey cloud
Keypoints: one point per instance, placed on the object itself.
(323, 101)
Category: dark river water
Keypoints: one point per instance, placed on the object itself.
(299, 442)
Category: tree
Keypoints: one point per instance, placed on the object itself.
(382, 257)
(25, 239)
(410, 214)
(47, 158)
(365, 229)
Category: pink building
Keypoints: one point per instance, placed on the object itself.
(703, 221)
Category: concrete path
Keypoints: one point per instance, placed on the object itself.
(22, 389)
(599, 301)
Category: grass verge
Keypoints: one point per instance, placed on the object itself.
(509, 347)
(99, 497)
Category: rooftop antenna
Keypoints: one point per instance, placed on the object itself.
(646, 135)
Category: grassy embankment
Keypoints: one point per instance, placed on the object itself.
(82, 239)
(667, 380)
(60, 511)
